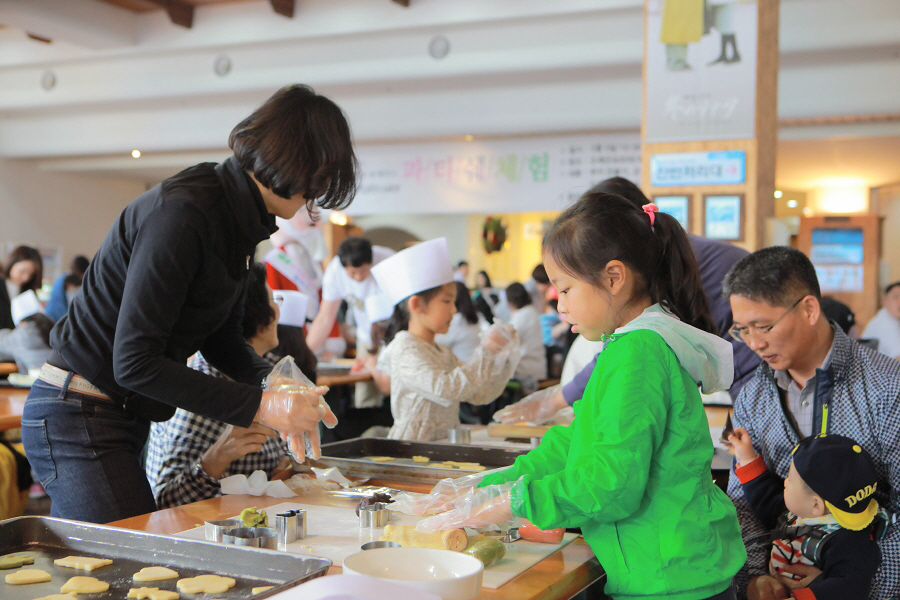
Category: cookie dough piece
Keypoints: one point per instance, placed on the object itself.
(205, 584)
(69, 596)
(408, 537)
(85, 563)
(15, 560)
(254, 518)
(83, 584)
(421, 459)
(260, 589)
(380, 458)
(150, 593)
(155, 574)
(24, 576)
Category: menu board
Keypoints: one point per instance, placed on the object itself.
(493, 176)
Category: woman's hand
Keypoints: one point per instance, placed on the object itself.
(234, 443)
(743, 446)
(296, 413)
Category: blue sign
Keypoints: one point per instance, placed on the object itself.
(698, 168)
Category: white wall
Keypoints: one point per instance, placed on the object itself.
(425, 227)
(65, 210)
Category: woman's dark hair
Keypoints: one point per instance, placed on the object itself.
(464, 304)
(777, 275)
(355, 252)
(400, 319)
(258, 312)
(517, 296)
(21, 254)
(292, 342)
(539, 274)
(602, 227)
(487, 279)
(298, 142)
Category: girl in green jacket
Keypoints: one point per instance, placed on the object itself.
(633, 469)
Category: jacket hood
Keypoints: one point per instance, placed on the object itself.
(706, 357)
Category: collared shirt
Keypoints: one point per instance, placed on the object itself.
(176, 447)
(800, 401)
(862, 390)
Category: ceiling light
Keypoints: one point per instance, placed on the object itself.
(469, 137)
(778, 193)
(338, 218)
(438, 47)
(48, 80)
(222, 66)
(136, 153)
(792, 203)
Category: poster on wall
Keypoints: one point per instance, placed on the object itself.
(492, 176)
(723, 217)
(677, 206)
(700, 65)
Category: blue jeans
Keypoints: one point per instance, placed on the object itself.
(86, 452)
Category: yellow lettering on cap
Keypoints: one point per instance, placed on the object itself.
(861, 494)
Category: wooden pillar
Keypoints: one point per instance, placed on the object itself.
(758, 141)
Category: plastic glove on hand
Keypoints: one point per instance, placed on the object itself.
(481, 508)
(296, 415)
(499, 336)
(536, 408)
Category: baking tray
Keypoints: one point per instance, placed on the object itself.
(48, 538)
(350, 456)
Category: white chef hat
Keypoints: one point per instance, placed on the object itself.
(379, 307)
(292, 305)
(415, 269)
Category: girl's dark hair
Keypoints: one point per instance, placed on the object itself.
(487, 278)
(292, 342)
(21, 254)
(602, 227)
(258, 313)
(298, 142)
(43, 324)
(517, 296)
(464, 304)
(400, 319)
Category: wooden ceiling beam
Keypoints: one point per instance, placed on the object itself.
(283, 7)
(180, 13)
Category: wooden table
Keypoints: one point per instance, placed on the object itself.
(561, 575)
(343, 379)
(12, 402)
(7, 368)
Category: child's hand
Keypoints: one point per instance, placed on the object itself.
(806, 572)
(766, 587)
(743, 446)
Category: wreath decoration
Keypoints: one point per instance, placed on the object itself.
(493, 234)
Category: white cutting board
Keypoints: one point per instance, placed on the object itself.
(335, 534)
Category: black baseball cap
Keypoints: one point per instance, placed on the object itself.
(843, 474)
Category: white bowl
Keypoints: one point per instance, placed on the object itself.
(450, 575)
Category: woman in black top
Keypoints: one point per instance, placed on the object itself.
(168, 281)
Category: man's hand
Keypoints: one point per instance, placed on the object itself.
(766, 587)
(234, 443)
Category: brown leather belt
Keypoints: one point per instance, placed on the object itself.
(56, 376)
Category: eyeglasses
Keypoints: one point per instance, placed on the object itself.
(742, 334)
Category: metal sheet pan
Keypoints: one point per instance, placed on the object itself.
(47, 539)
(351, 457)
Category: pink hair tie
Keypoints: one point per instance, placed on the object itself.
(651, 210)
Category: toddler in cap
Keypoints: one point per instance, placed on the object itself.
(824, 516)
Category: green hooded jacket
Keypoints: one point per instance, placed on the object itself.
(633, 468)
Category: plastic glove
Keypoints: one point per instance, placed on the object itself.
(441, 497)
(498, 336)
(295, 412)
(481, 508)
(536, 408)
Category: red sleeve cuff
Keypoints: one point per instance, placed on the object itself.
(751, 470)
(803, 593)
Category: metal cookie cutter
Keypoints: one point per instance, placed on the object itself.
(286, 526)
(213, 530)
(255, 537)
(374, 515)
(507, 537)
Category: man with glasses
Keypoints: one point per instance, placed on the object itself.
(813, 379)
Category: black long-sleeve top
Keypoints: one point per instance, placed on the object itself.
(168, 281)
(849, 558)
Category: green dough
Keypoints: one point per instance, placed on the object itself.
(253, 518)
(15, 560)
